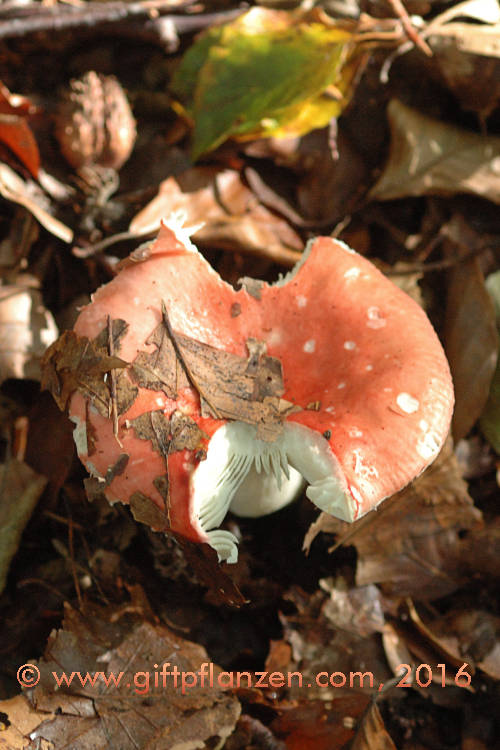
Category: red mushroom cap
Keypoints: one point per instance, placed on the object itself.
(361, 364)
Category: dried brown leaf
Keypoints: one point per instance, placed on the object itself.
(21, 489)
(371, 733)
(136, 712)
(429, 157)
(471, 343)
(230, 386)
(19, 719)
(412, 545)
(467, 53)
(203, 560)
(94, 486)
(146, 511)
(472, 636)
(318, 724)
(229, 215)
(74, 363)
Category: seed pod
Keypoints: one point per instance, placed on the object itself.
(94, 123)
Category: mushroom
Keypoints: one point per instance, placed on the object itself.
(331, 375)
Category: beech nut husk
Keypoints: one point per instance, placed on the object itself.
(94, 122)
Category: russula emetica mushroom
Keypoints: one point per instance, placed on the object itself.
(332, 374)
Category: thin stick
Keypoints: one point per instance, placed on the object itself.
(401, 12)
(37, 18)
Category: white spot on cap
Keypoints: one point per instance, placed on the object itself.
(160, 402)
(341, 385)
(301, 300)
(407, 403)
(349, 345)
(352, 273)
(375, 319)
(369, 368)
(423, 425)
(354, 432)
(330, 409)
(136, 301)
(310, 346)
(387, 390)
(274, 337)
(364, 471)
(428, 446)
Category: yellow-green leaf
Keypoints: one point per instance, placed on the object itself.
(268, 73)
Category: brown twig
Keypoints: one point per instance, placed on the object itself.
(438, 265)
(412, 34)
(36, 18)
(71, 549)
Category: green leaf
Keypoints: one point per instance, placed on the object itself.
(268, 73)
(490, 418)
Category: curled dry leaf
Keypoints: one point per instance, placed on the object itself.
(26, 329)
(371, 733)
(14, 189)
(429, 157)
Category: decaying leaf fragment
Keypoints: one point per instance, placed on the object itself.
(74, 363)
(94, 486)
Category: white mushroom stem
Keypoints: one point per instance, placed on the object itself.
(253, 478)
